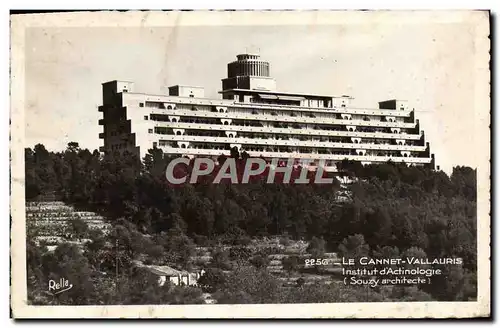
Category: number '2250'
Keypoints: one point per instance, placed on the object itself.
(317, 262)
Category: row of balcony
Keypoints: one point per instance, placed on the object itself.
(266, 154)
(292, 131)
(347, 115)
(230, 116)
(295, 143)
(172, 101)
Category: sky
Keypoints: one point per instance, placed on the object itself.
(431, 65)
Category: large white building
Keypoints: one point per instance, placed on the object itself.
(253, 117)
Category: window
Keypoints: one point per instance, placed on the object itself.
(146, 117)
(141, 104)
(150, 130)
(125, 90)
(191, 96)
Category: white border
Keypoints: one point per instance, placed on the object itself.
(337, 310)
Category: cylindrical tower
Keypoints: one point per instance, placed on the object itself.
(248, 65)
(248, 72)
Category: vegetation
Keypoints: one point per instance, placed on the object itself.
(394, 210)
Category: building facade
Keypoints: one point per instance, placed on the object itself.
(256, 118)
(175, 277)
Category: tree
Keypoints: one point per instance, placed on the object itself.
(300, 282)
(316, 247)
(156, 253)
(79, 228)
(67, 262)
(212, 280)
(220, 259)
(410, 294)
(36, 277)
(386, 252)
(240, 254)
(354, 247)
(378, 227)
(235, 153)
(416, 254)
(291, 264)
(465, 182)
(73, 147)
(247, 285)
(179, 248)
(259, 261)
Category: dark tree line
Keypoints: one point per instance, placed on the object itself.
(394, 208)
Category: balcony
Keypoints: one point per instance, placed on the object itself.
(279, 130)
(231, 137)
(216, 103)
(287, 119)
(270, 154)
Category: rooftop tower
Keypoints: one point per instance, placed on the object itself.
(249, 72)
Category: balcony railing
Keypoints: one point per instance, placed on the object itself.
(217, 152)
(293, 143)
(273, 130)
(230, 103)
(304, 120)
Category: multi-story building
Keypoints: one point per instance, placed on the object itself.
(253, 117)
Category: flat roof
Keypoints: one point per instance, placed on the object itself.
(392, 100)
(185, 86)
(228, 102)
(114, 81)
(284, 93)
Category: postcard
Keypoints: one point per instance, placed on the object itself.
(250, 164)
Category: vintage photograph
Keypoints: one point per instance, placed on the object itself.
(325, 164)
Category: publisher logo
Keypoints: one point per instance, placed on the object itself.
(59, 286)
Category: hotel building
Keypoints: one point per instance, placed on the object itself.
(256, 118)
